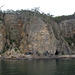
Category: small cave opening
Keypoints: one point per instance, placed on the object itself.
(26, 34)
(56, 53)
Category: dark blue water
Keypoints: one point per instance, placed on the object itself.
(37, 67)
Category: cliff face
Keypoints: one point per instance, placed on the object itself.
(30, 34)
(13, 29)
(38, 38)
(67, 28)
(2, 36)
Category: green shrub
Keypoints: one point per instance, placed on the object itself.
(15, 49)
(11, 41)
(1, 19)
(70, 40)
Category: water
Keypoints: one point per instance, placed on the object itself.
(37, 67)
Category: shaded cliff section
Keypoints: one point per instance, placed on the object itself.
(67, 30)
(32, 34)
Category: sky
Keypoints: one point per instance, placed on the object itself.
(54, 7)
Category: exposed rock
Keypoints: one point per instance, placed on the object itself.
(13, 54)
(28, 56)
(13, 28)
(2, 36)
(39, 38)
(61, 45)
(0, 56)
(22, 32)
(67, 28)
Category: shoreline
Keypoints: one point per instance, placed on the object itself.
(40, 57)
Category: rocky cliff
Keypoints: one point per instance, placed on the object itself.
(31, 34)
(2, 36)
(67, 30)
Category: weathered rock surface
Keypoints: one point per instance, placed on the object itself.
(13, 54)
(61, 45)
(2, 36)
(31, 35)
(0, 56)
(67, 28)
(39, 38)
(13, 28)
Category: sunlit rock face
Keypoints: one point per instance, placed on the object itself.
(32, 34)
(2, 36)
(38, 38)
